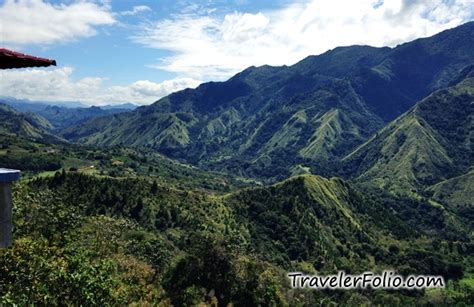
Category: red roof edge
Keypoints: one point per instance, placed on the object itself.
(13, 59)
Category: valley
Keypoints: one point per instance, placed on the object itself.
(358, 159)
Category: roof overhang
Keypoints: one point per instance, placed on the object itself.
(13, 59)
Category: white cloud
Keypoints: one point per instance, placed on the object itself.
(39, 22)
(146, 92)
(41, 84)
(214, 47)
(59, 85)
(136, 10)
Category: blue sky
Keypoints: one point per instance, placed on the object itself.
(116, 51)
(112, 53)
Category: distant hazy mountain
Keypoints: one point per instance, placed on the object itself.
(19, 104)
(265, 119)
(123, 106)
(61, 116)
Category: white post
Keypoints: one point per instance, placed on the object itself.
(7, 176)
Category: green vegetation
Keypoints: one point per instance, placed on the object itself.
(428, 144)
(22, 124)
(265, 120)
(83, 239)
(456, 193)
(39, 158)
(208, 197)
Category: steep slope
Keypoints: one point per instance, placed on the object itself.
(457, 193)
(26, 125)
(413, 70)
(250, 128)
(267, 119)
(430, 143)
(333, 128)
(322, 222)
(311, 218)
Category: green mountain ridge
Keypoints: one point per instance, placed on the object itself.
(456, 192)
(26, 125)
(430, 143)
(62, 117)
(235, 134)
(265, 120)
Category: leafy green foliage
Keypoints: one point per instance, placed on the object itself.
(99, 240)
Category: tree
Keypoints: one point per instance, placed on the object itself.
(154, 187)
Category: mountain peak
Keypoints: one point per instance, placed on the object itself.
(320, 188)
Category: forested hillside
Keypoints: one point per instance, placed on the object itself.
(89, 240)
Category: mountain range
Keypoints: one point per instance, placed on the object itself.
(357, 159)
(64, 115)
(267, 120)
